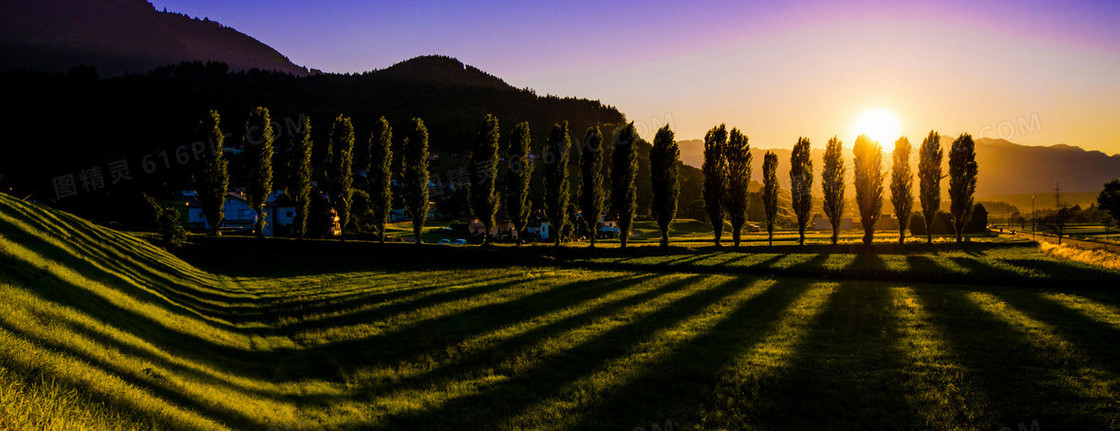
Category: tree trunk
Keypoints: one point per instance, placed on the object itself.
(260, 223)
(735, 237)
(835, 233)
(801, 235)
(868, 236)
(665, 238)
(770, 235)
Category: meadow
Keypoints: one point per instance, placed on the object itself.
(104, 330)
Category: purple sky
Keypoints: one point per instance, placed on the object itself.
(776, 70)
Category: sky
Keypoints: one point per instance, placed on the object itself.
(1031, 72)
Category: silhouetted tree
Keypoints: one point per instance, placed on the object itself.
(1109, 199)
(555, 178)
(832, 181)
(868, 158)
(340, 170)
(380, 174)
(414, 179)
(517, 182)
(715, 177)
(300, 186)
(978, 220)
(591, 170)
(738, 154)
(902, 186)
(212, 179)
(624, 172)
(664, 162)
(258, 144)
(801, 184)
(770, 192)
(483, 174)
(929, 180)
(962, 181)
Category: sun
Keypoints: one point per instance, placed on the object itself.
(880, 125)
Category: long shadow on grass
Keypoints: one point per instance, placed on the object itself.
(36, 372)
(449, 330)
(507, 348)
(157, 385)
(368, 309)
(114, 253)
(181, 303)
(1061, 271)
(496, 403)
(680, 385)
(1017, 379)
(1096, 342)
(845, 374)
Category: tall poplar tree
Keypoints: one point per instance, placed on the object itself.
(664, 162)
(715, 178)
(801, 184)
(738, 154)
(929, 180)
(869, 184)
(258, 139)
(770, 192)
(832, 181)
(517, 181)
(902, 186)
(300, 187)
(379, 173)
(483, 174)
(212, 179)
(591, 173)
(962, 181)
(340, 170)
(414, 178)
(624, 173)
(556, 186)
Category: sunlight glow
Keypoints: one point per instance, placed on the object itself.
(878, 124)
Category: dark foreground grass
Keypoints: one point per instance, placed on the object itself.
(104, 331)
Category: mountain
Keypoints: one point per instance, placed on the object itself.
(1006, 168)
(122, 36)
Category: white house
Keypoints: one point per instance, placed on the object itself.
(240, 217)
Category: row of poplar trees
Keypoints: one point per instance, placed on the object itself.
(727, 173)
(212, 177)
(594, 191)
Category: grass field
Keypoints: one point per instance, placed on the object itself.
(103, 330)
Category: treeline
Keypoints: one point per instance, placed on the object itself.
(727, 169)
(499, 173)
(592, 180)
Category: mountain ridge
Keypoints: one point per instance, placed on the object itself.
(120, 37)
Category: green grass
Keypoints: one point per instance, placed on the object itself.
(102, 330)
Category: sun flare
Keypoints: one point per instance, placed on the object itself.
(880, 125)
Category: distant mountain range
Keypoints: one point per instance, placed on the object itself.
(122, 36)
(1005, 168)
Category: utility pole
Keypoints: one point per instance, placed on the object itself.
(1061, 210)
(1033, 223)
